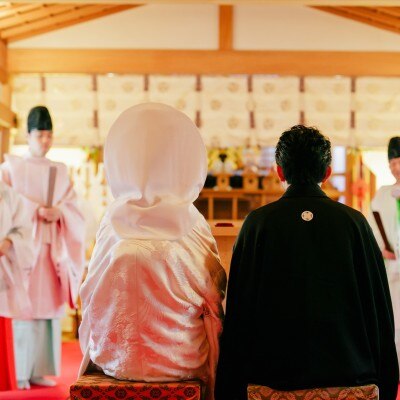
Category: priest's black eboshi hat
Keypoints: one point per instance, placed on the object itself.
(39, 118)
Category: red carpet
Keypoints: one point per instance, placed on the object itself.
(71, 358)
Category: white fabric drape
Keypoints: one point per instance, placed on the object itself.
(156, 166)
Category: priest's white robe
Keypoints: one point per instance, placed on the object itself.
(15, 267)
(385, 203)
(58, 262)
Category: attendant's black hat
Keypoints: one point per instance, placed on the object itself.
(39, 118)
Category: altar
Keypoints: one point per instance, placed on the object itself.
(227, 202)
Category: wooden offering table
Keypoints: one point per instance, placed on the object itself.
(235, 204)
(256, 198)
(225, 233)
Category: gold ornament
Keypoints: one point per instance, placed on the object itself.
(180, 104)
(233, 123)
(373, 88)
(268, 123)
(215, 105)
(127, 87)
(110, 105)
(373, 124)
(286, 105)
(339, 124)
(320, 105)
(338, 88)
(233, 87)
(163, 87)
(76, 104)
(269, 87)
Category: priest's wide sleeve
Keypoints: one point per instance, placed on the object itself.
(378, 313)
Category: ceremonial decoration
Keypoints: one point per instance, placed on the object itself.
(229, 110)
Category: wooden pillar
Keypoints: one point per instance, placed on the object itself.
(3, 62)
(372, 185)
(350, 166)
(4, 142)
(360, 182)
(225, 27)
(7, 120)
(7, 117)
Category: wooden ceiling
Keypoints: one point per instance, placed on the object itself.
(23, 20)
(387, 18)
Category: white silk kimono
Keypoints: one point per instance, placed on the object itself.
(15, 267)
(385, 203)
(59, 246)
(152, 308)
(152, 299)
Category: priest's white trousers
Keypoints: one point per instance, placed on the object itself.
(37, 348)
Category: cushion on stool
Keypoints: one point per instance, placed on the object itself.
(98, 386)
(367, 392)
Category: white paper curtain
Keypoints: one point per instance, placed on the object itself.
(377, 106)
(115, 94)
(26, 93)
(276, 102)
(230, 110)
(327, 105)
(224, 115)
(176, 91)
(71, 101)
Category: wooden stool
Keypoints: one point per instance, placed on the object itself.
(98, 386)
(368, 392)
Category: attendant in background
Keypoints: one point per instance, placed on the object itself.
(152, 299)
(387, 203)
(308, 301)
(58, 261)
(15, 266)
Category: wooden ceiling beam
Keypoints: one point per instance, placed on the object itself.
(376, 24)
(44, 12)
(78, 15)
(372, 15)
(51, 21)
(317, 63)
(14, 9)
(226, 27)
(395, 11)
